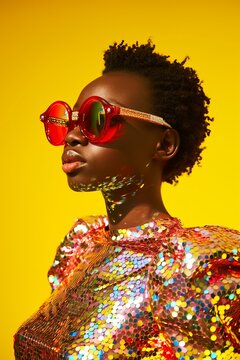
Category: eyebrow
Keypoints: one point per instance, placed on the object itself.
(114, 102)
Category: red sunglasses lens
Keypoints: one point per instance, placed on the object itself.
(94, 119)
(98, 123)
(56, 124)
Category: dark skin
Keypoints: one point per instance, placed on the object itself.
(129, 169)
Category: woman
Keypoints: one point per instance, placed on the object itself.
(136, 284)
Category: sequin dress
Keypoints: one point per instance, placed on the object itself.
(155, 291)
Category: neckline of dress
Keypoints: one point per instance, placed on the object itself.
(159, 224)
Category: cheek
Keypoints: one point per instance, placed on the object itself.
(127, 158)
(110, 162)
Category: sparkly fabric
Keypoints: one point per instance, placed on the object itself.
(156, 291)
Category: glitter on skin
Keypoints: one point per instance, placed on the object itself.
(155, 291)
(109, 185)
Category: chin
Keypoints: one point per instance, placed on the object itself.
(82, 187)
(108, 184)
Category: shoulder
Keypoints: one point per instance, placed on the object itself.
(204, 246)
(82, 239)
(208, 239)
(196, 250)
(212, 242)
(220, 236)
(215, 251)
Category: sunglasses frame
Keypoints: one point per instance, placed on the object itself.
(108, 133)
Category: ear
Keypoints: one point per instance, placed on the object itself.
(168, 146)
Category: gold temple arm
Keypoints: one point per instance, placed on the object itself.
(143, 116)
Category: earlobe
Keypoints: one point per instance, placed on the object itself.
(168, 146)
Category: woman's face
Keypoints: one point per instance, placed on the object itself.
(127, 160)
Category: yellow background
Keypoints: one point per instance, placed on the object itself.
(50, 49)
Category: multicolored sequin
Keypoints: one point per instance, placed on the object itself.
(156, 291)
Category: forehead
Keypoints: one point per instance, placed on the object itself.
(122, 88)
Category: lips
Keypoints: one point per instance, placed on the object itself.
(72, 161)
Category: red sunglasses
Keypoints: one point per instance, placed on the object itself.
(94, 118)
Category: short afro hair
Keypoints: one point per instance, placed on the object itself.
(178, 97)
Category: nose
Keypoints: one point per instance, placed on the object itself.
(75, 137)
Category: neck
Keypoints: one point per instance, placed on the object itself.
(132, 207)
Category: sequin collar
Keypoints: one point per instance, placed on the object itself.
(160, 226)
